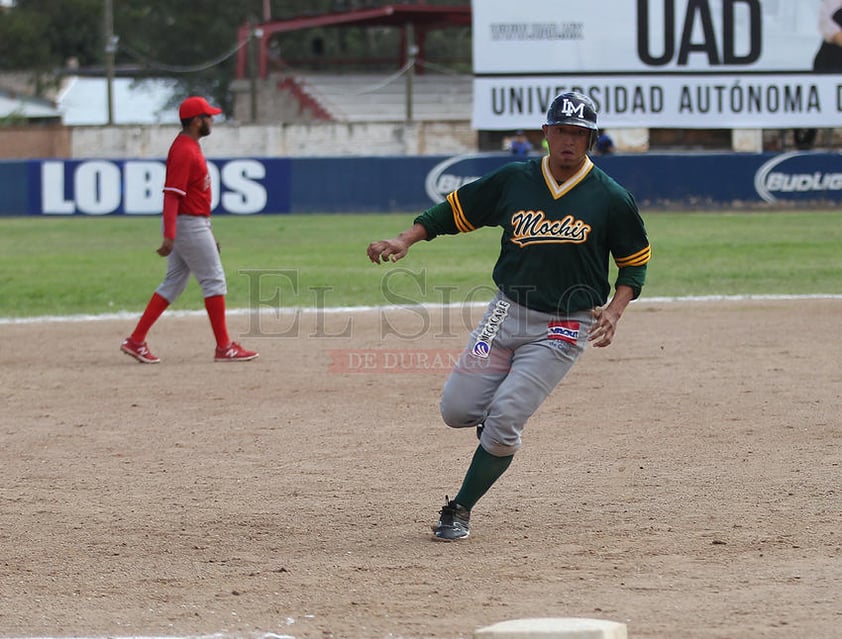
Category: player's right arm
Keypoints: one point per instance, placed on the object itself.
(445, 218)
(437, 220)
(397, 247)
(171, 204)
(471, 206)
(181, 161)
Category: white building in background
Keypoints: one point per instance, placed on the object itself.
(30, 109)
(83, 101)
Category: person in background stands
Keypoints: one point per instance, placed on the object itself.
(520, 146)
(829, 56)
(604, 144)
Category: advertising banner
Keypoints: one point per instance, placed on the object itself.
(660, 63)
(681, 102)
(698, 181)
(135, 187)
(262, 186)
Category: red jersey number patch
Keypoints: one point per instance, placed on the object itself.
(564, 330)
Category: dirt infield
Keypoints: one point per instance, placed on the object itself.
(684, 481)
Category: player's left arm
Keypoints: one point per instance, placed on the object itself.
(630, 247)
(627, 287)
(607, 317)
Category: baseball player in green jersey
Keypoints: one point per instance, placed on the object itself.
(562, 219)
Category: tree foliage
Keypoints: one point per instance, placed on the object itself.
(41, 35)
(193, 42)
(22, 41)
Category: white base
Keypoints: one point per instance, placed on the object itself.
(553, 628)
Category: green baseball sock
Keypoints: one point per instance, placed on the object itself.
(485, 469)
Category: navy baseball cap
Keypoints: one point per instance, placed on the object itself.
(196, 105)
(574, 109)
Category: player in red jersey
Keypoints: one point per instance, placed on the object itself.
(188, 242)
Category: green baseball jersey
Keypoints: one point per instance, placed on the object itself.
(557, 238)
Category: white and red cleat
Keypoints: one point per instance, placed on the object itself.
(234, 353)
(139, 350)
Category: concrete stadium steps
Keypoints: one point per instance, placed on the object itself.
(379, 98)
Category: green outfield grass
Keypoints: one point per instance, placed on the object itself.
(104, 265)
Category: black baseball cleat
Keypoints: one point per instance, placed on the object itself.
(454, 522)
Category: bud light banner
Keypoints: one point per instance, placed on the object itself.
(246, 187)
(660, 63)
(799, 177)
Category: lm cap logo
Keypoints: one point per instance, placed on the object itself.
(568, 108)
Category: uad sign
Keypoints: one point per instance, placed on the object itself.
(655, 36)
(696, 32)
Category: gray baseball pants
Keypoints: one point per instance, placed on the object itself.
(514, 359)
(194, 251)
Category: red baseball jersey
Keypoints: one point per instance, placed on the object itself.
(187, 177)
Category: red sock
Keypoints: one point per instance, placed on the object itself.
(215, 306)
(154, 308)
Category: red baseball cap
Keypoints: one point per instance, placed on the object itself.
(196, 105)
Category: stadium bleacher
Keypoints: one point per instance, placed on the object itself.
(373, 98)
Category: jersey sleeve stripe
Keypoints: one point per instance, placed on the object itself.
(459, 218)
(175, 190)
(635, 259)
